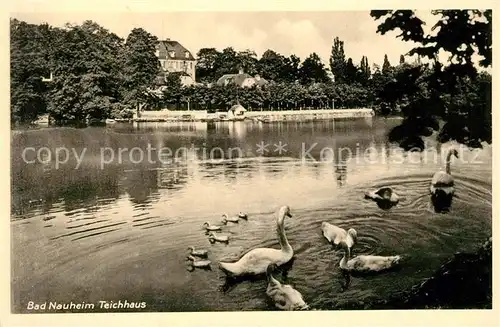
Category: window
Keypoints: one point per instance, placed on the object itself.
(187, 54)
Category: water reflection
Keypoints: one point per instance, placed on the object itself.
(180, 128)
(441, 201)
(141, 185)
(115, 230)
(341, 174)
(43, 193)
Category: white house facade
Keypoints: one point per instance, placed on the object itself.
(174, 57)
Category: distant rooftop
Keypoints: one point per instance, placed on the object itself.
(170, 49)
(239, 78)
(234, 78)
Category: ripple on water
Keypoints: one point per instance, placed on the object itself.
(87, 224)
(86, 230)
(137, 243)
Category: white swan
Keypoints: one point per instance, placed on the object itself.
(366, 263)
(209, 227)
(285, 297)
(198, 253)
(256, 261)
(226, 219)
(217, 237)
(442, 185)
(243, 215)
(335, 234)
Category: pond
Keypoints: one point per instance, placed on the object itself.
(100, 224)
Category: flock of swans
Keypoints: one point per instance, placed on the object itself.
(260, 261)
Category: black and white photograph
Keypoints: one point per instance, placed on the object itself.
(232, 161)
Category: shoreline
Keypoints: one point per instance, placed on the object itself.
(259, 119)
(257, 116)
(176, 116)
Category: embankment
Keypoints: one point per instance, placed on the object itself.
(263, 116)
(310, 114)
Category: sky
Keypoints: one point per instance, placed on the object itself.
(286, 32)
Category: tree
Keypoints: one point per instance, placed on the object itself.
(29, 61)
(272, 65)
(276, 67)
(337, 60)
(364, 72)
(351, 72)
(386, 66)
(86, 77)
(227, 62)
(172, 94)
(140, 66)
(312, 70)
(206, 67)
(461, 34)
(471, 28)
(291, 72)
(247, 61)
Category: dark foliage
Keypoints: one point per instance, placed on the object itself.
(456, 94)
(98, 75)
(463, 282)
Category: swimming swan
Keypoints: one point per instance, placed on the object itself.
(243, 215)
(385, 197)
(285, 297)
(366, 263)
(335, 234)
(198, 253)
(225, 219)
(443, 186)
(209, 227)
(256, 261)
(212, 237)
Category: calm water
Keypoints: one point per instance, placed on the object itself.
(121, 231)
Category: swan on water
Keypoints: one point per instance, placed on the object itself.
(442, 187)
(209, 227)
(335, 234)
(385, 197)
(243, 215)
(195, 263)
(257, 260)
(226, 219)
(366, 263)
(212, 237)
(285, 297)
(198, 253)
